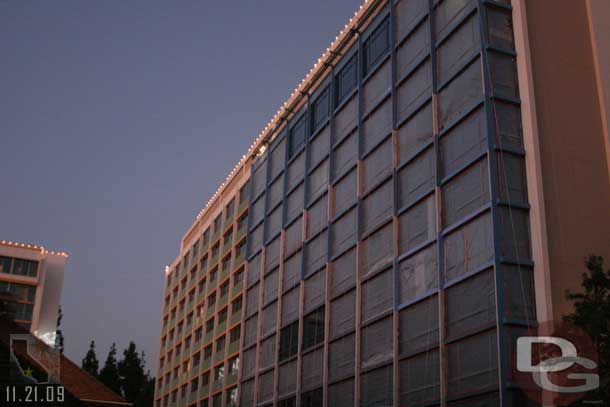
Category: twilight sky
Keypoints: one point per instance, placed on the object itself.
(118, 119)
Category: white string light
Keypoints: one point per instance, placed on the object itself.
(256, 145)
(34, 247)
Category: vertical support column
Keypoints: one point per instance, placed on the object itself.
(395, 224)
(493, 171)
(440, 253)
(278, 317)
(330, 214)
(360, 172)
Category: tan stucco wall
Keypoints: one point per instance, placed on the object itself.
(572, 140)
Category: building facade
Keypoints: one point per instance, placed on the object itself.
(31, 279)
(404, 222)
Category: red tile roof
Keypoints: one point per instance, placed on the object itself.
(79, 383)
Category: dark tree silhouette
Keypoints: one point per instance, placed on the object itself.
(592, 315)
(90, 363)
(131, 370)
(59, 335)
(109, 375)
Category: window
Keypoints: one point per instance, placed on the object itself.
(20, 267)
(341, 357)
(209, 326)
(469, 247)
(377, 294)
(232, 397)
(292, 271)
(238, 277)
(236, 306)
(217, 223)
(228, 239)
(203, 265)
(250, 331)
(230, 209)
(269, 319)
(233, 365)
(417, 225)
(466, 192)
(242, 221)
(313, 328)
(267, 352)
(473, 364)
(205, 379)
(471, 305)
(341, 394)
(343, 314)
(376, 46)
(289, 402)
(297, 136)
(418, 326)
(377, 388)
(244, 193)
(220, 345)
(312, 398)
(345, 81)
(315, 291)
(224, 289)
(319, 110)
(377, 342)
(418, 275)
(289, 341)
(234, 334)
(222, 316)
(196, 359)
(420, 379)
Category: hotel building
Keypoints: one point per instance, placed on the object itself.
(426, 194)
(31, 279)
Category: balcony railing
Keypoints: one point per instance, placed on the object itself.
(233, 347)
(217, 385)
(204, 391)
(231, 379)
(219, 356)
(221, 327)
(223, 301)
(237, 288)
(235, 317)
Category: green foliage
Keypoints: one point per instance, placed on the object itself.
(109, 375)
(592, 315)
(90, 363)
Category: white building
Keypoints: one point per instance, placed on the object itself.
(31, 279)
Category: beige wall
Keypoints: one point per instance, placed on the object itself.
(570, 135)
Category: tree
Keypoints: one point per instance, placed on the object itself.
(131, 370)
(147, 393)
(59, 335)
(109, 375)
(592, 315)
(90, 363)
